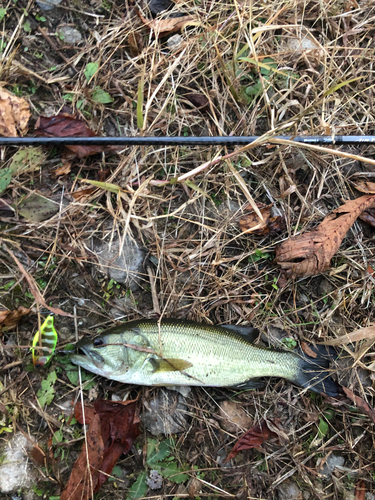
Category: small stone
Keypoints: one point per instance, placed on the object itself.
(165, 413)
(93, 393)
(331, 463)
(304, 45)
(194, 487)
(174, 41)
(221, 459)
(349, 495)
(69, 35)
(288, 490)
(325, 287)
(154, 480)
(274, 335)
(300, 44)
(234, 418)
(184, 390)
(123, 265)
(15, 471)
(48, 4)
(122, 306)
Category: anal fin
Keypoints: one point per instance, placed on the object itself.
(253, 383)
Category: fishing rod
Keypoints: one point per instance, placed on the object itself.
(181, 141)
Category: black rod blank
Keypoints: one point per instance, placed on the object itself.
(180, 141)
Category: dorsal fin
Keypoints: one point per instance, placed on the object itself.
(248, 332)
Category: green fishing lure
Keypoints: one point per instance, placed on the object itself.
(43, 349)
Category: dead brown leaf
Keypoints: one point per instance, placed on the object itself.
(360, 490)
(361, 403)
(164, 27)
(198, 100)
(10, 319)
(310, 253)
(84, 477)
(136, 44)
(368, 216)
(116, 426)
(84, 193)
(272, 221)
(307, 350)
(14, 114)
(365, 187)
(355, 336)
(253, 438)
(65, 125)
(64, 169)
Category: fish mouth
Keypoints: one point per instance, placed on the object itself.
(88, 357)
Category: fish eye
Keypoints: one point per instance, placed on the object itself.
(98, 342)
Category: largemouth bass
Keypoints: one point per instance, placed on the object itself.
(179, 352)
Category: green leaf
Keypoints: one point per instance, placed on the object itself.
(172, 471)
(58, 436)
(90, 70)
(156, 452)
(107, 186)
(254, 89)
(140, 121)
(2, 14)
(46, 393)
(73, 376)
(329, 414)
(23, 160)
(139, 488)
(289, 342)
(339, 85)
(37, 208)
(28, 159)
(323, 427)
(116, 472)
(272, 66)
(5, 178)
(191, 185)
(101, 96)
(27, 27)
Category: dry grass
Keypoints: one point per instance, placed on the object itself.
(202, 266)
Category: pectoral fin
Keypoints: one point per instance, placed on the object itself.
(169, 365)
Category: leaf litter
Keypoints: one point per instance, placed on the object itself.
(204, 265)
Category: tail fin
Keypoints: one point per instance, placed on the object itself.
(314, 372)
